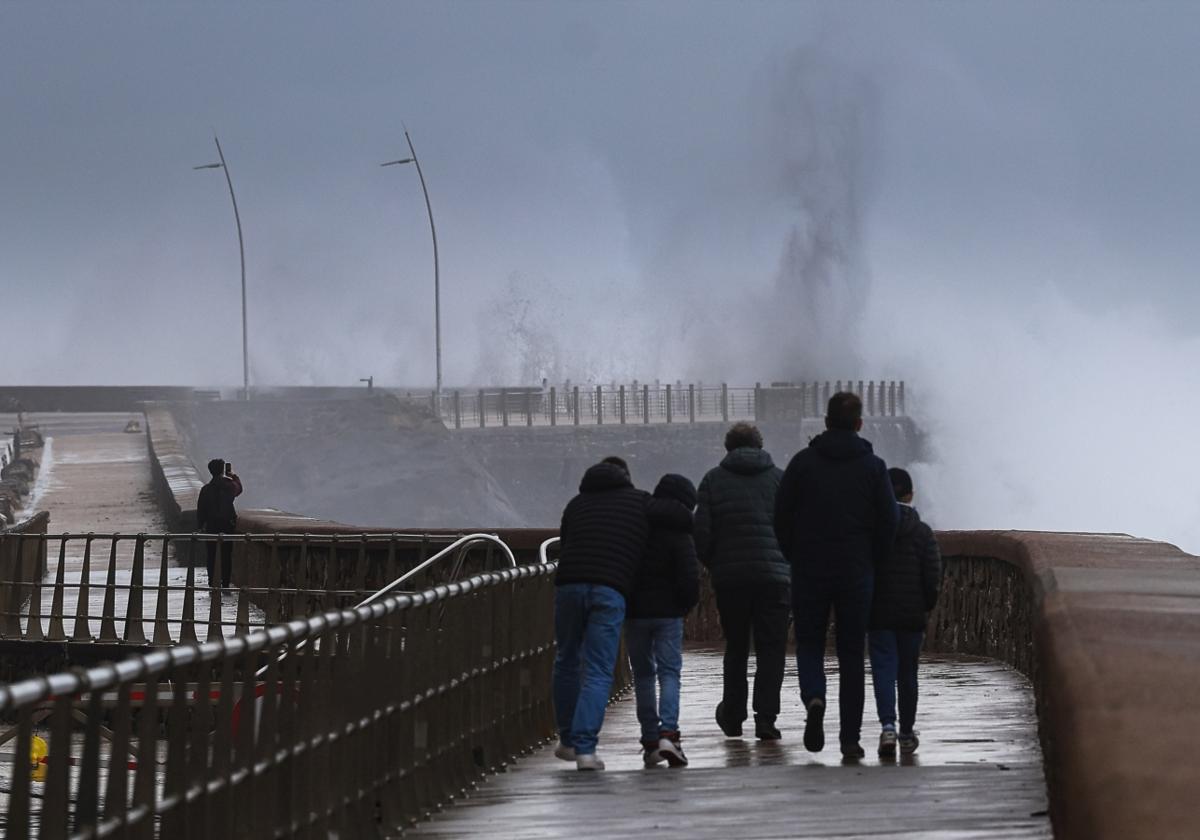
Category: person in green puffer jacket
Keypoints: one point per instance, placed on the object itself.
(735, 540)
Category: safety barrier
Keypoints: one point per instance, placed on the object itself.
(153, 588)
(364, 721)
(623, 404)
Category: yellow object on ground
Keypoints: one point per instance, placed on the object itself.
(38, 750)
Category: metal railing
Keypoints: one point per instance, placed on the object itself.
(641, 403)
(364, 721)
(153, 588)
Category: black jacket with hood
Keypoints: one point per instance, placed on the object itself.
(835, 514)
(906, 586)
(668, 582)
(735, 537)
(604, 530)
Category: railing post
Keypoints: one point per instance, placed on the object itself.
(691, 403)
(669, 401)
(575, 394)
(457, 409)
(553, 406)
(108, 622)
(871, 398)
(162, 634)
(57, 631)
(892, 398)
(621, 403)
(646, 404)
(757, 402)
(599, 405)
(900, 397)
(504, 406)
(725, 402)
(134, 631)
(529, 408)
(479, 408)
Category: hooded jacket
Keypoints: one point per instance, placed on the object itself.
(835, 513)
(668, 582)
(604, 530)
(906, 586)
(735, 537)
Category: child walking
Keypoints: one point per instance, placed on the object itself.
(906, 589)
(666, 587)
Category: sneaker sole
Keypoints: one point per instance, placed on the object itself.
(674, 760)
(814, 730)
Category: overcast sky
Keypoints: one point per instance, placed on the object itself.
(1012, 187)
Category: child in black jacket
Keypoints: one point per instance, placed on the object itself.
(906, 589)
(666, 588)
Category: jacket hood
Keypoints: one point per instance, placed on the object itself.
(604, 477)
(748, 460)
(840, 445)
(670, 514)
(676, 487)
(909, 519)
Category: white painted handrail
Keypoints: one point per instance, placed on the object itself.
(544, 549)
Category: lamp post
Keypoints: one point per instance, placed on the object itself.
(242, 254)
(437, 289)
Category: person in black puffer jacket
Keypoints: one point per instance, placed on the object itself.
(906, 589)
(604, 532)
(736, 542)
(667, 587)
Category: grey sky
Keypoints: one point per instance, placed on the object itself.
(573, 145)
(1011, 189)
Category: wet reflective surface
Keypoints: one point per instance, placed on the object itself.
(978, 772)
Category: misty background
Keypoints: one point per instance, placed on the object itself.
(995, 202)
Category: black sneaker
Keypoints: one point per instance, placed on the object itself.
(814, 727)
(731, 730)
(909, 743)
(853, 751)
(765, 730)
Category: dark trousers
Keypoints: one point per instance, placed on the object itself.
(895, 655)
(760, 612)
(226, 561)
(849, 598)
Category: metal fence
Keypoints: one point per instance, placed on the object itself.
(623, 404)
(363, 722)
(154, 589)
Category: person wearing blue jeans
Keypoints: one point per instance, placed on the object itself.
(587, 627)
(603, 537)
(835, 516)
(906, 590)
(667, 586)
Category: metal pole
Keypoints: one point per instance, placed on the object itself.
(242, 254)
(437, 286)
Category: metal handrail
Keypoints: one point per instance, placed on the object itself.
(544, 549)
(463, 542)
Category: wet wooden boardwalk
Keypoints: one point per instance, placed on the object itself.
(977, 774)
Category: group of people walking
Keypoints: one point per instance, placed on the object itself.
(834, 533)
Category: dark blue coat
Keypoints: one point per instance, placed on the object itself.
(906, 586)
(835, 514)
(668, 581)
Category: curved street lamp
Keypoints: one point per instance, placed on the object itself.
(242, 254)
(437, 291)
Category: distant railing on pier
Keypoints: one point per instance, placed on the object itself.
(642, 403)
(153, 589)
(364, 721)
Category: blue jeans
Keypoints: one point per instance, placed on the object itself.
(895, 655)
(587, 630)
(655, 648)
(849, 597)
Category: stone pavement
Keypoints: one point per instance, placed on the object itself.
(977, 774)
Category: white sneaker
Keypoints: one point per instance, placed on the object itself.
(564, 752)
(650, 754)
(588, 761)
(671, 753)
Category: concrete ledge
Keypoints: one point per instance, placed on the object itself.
(1116, 631)
(177, 478)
